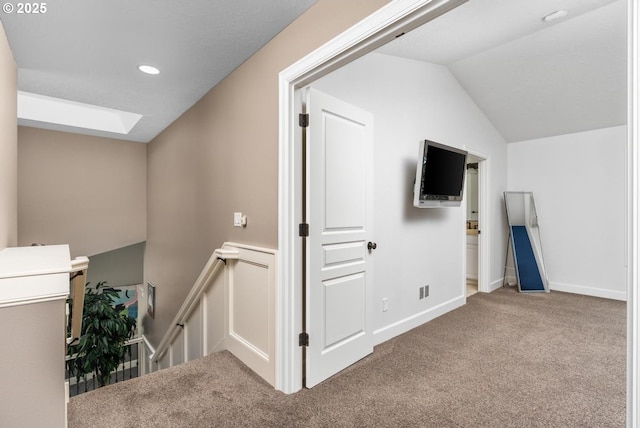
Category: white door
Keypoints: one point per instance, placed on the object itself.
(340, 213)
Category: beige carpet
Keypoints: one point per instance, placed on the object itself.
(503, 360)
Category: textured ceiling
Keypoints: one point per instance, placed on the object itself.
(530, 78)
(88, 51)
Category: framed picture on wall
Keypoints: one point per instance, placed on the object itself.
(151, 300)
(127, 300)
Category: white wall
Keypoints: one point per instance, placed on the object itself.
(410, 101)
(578, 182)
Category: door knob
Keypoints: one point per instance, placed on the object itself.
(371, 245)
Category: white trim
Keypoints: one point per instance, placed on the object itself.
(376, 30)
(259, 356)
(34, 274)
(32, 300)
(16, 262)
(149, 346)
(174, 348)
(484, 222)
(633, 218)
(213, 266)
(495, 285)
(79, 264)
(66, 404)
(588, 291)
(402, 326)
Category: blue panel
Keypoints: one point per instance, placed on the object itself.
(528, 271)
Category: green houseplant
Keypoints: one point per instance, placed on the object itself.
(105, 329)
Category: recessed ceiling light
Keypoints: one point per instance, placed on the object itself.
(555, 15)
(148, 69)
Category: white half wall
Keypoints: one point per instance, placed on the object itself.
(231, 306)
(412, 101)
(578, 181)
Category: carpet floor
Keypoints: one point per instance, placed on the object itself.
(504, 359)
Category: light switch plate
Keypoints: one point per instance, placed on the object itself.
(239, 220)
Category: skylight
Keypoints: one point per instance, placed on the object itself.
(46, 109)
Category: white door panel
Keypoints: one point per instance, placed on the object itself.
(344, 173)
(340, 217)
(342, 253)
(345, 295)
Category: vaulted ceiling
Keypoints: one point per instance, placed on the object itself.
(530, 77)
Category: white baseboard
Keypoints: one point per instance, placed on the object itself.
(66, 404)
(496, 285)
(588, 291)
(397, 328)
(221, 345)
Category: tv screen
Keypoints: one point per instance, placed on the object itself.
(439, 175)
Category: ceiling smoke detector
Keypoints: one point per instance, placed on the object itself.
(555, 15)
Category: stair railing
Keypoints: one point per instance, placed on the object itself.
(214, 267)
(77, 279)
(231, 306)
(128, 369)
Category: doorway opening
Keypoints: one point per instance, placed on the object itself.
(476, 225)
(471, 230)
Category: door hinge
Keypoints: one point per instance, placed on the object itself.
(303, 120)
(303, 230)
(303, 339)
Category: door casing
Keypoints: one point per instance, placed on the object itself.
(379, 28)
(484, 222)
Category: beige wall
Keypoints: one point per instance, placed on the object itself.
(88, 192)
(32, 393)
(8, 146)
(221, 156)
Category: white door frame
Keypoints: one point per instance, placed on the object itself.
(376, 30)
(633, 215)
(484, 222)
(381, 27)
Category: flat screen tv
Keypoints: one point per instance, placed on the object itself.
(439, 176)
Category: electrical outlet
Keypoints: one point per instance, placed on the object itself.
(424, 292)
(385, 305)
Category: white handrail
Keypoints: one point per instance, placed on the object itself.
(148, 344)
(215, 265)
(79, 263)
(78, 272)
